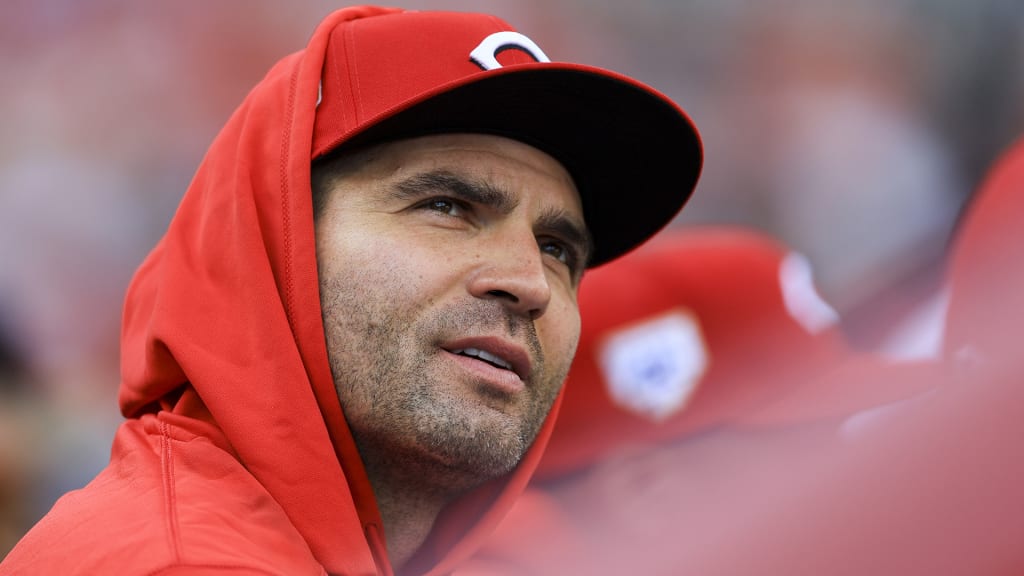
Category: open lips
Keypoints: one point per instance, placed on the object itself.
(496, 352)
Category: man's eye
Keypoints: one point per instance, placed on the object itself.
(560, 251)
(444, 205)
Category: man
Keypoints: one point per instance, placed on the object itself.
(368, 394)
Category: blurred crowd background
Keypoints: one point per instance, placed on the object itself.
(853, 131)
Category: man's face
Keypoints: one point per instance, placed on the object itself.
(449, 267)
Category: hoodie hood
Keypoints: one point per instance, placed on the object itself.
(222, 324)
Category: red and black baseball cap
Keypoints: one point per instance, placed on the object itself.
(391, 73)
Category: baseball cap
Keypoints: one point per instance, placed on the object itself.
(390, 73)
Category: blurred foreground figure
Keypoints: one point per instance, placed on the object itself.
(839, 463)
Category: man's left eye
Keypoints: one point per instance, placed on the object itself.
(444, 206)
(560, 251)
(441, 205)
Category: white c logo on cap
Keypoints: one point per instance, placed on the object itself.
(484, 55)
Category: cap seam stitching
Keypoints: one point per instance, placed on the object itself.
(353, 74)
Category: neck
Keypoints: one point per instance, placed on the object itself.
(408, 515)
(411, 486)
(411, 489)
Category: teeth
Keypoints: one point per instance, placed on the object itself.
(484, 356)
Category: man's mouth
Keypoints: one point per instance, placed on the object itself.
(485, 356)
(494, 352)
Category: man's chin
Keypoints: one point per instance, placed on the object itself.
(471, 454)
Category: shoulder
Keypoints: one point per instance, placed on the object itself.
(170, 502)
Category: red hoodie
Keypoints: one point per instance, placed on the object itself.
(235, 456)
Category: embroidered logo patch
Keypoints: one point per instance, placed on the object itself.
(653, 368)
(485, 54)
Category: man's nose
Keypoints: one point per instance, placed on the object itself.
(513, 272)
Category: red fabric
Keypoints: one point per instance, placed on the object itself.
(235, 454)
(538, 536)
(363, 86)
(986, 267)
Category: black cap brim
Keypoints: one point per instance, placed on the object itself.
(634, 155)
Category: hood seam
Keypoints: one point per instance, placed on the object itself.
(285, 197)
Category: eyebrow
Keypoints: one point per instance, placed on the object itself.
(553, 220)
(455, 185)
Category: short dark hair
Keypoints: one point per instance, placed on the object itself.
(326, 170)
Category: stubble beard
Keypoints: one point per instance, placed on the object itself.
(406, 419)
